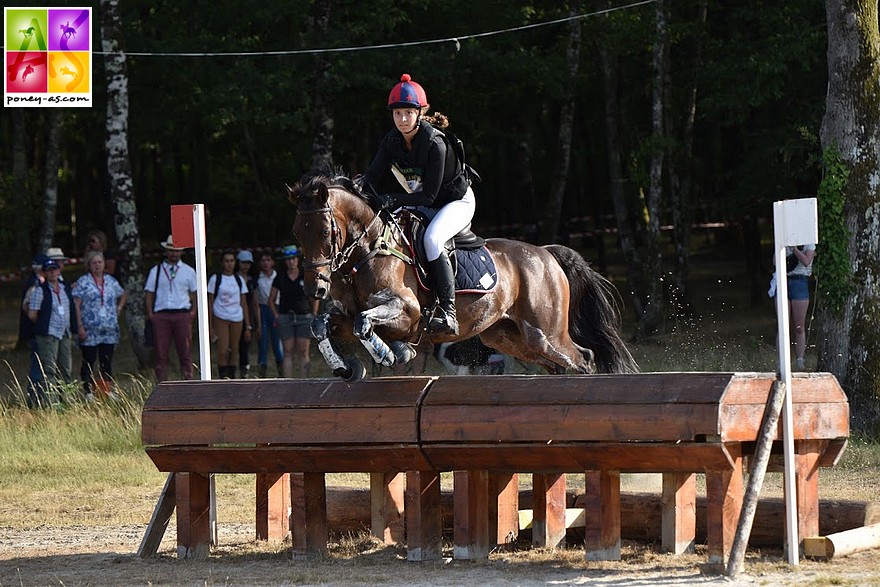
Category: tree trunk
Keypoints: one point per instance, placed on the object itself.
(119, 170)
(549, 225)
(680, 171)
(322, 123)
(850, 345)
(610, 75)
(21, 230)
(50, 180)
(652, 317)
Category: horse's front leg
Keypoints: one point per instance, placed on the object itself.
(385, 308)
(321, 328)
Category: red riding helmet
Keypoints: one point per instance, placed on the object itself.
(407, 94)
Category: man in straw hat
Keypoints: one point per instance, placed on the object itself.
(170, 295)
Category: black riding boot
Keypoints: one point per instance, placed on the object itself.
(444, 320)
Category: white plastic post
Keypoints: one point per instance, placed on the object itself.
(795, 222)
(202, 286)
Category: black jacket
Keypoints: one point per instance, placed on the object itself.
(430, 161)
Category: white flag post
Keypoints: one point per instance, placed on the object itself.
(200, 234)
(795, 222)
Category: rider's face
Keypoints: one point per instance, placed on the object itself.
(405, 119)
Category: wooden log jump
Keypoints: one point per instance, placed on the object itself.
(487, 429)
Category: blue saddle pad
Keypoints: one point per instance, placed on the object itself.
(476, 271)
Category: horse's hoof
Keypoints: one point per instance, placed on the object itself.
(356, 370)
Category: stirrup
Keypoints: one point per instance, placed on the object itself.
(442, 322)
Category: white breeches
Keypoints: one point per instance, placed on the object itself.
(446, 222)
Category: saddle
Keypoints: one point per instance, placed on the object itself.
(472, 263)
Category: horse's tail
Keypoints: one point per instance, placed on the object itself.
(593, 314)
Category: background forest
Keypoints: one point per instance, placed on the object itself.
(615, 125)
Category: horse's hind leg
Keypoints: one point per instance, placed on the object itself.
(506, 338)
(527, 342)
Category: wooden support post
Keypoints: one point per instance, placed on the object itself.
(602, 515)
(548, 523)
(724, 499)
(387, 507)
(273, 506)
(193, 515)
(806, 458)
(159, 520)
(679, 513)
(424, 523)
(470, 515)
(308, 519)
(503, 508)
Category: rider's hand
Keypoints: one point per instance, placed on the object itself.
(382, 201)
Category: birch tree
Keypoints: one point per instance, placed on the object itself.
(850, 134)
(125, 214)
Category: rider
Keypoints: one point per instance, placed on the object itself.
(430, 179)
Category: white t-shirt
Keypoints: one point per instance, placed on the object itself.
(801, 269)
(227, 302)
(173, 287)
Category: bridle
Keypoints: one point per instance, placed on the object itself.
(338, 256)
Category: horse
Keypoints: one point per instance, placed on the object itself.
(66, 30)
(549, 306)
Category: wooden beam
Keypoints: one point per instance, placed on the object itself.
(470, 535)
(602, 515)
(387, 507)
(273, 506)
(193, 515)
(424, 521)
(159, 520)
(843, 543)
(679, 513)
(548, 526)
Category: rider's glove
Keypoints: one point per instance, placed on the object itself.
(382, 201)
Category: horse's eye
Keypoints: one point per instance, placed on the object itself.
(325, 233)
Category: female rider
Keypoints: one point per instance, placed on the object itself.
(435, 183)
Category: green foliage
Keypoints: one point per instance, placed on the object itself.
(833, 266)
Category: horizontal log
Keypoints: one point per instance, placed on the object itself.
(843, 543)
(349, 509)
(641, 457)
(280, 459)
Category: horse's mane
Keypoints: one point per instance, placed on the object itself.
(324, 175)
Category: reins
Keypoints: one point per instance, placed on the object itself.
(339, 257)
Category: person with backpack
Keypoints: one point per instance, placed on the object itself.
(417, 165)
(228, 314)
(170, 298)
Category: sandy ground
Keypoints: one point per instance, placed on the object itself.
(106, 556)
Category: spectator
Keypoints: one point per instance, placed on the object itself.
(35, 395)
(228, 314)
(267, 332)
(96, 240)
(293, 313)
(99, 300)
(57, 255)
(170, 296)
(54, 315)
(799, 261)
(245, 262)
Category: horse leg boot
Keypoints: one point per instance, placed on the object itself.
(444, 320)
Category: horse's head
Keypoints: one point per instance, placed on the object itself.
(317, 233)
(327, 212)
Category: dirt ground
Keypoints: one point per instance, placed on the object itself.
(106, 556)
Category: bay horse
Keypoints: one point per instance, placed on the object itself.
(549, 306)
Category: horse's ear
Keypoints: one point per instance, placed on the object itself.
(292, 194)
(323, 194)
